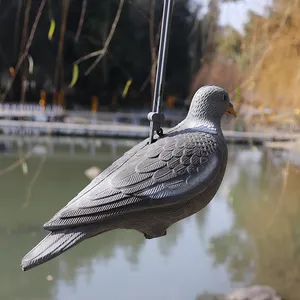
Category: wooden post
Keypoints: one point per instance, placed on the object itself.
(61, 98)
(171, 101)
(12, 72)
(43, 99)
(114, 100)
(95, 103)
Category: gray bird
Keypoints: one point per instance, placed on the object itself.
(151, 186)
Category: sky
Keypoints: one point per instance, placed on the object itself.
(235, 14)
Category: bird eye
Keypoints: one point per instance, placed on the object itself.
(225, 97)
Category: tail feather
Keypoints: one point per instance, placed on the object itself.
(54, 244)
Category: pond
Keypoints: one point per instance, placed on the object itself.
(249, 233)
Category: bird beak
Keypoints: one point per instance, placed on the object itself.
(231, 110)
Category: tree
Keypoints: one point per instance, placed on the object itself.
(78, 29)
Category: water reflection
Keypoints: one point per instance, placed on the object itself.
(249, 233)
(262, 246)
(66, 145)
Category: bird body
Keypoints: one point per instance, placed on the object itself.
(152, 186)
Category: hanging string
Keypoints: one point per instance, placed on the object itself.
(156, 117)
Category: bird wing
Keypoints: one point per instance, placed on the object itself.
(173, 168)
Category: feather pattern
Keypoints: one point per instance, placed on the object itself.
(161, 170)
(150, 187)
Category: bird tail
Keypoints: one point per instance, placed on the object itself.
(54, 244)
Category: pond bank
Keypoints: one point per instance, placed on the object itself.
(25, 128)
(256, 292)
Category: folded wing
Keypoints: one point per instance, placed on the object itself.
(163, 173)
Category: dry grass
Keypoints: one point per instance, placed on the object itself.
(223, 73)
(271, 49)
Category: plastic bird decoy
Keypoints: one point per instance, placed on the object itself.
(151, 186)
(162, 180)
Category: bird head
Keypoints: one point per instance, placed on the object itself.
(210, 103)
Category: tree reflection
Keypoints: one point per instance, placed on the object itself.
(262, 246)
(18, 285)
(201, 219)
(264, 242)
(104, 247)
(168, 242)
(21, 228)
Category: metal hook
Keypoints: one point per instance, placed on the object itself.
(156, 117)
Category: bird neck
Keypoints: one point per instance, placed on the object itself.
(203, 125)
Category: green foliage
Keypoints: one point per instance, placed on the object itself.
(210, 29)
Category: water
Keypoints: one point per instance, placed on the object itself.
(248, 234)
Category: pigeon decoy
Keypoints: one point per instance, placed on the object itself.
(151, 186)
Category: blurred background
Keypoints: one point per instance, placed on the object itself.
(76, 85)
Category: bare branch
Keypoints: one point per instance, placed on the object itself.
(33, 180)
(24, 71)
(59, 67)
(28, 45)
(109, 38)
(16, 164)
(88, 56)
(144, 85)
(17, 25)
(80, 24)
(153, 68)
(25, 26)
(138, 10)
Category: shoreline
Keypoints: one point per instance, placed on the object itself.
(124, 131)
